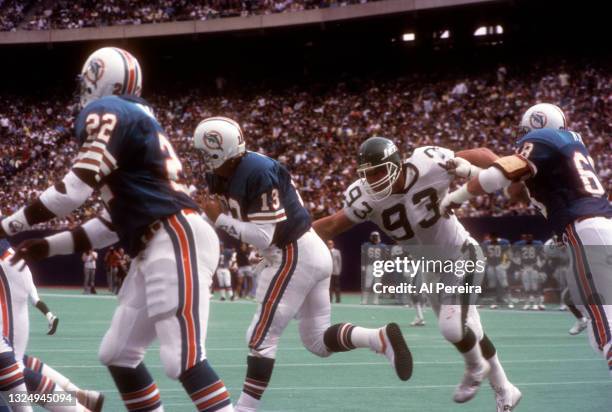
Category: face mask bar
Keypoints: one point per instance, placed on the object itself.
(382, 188)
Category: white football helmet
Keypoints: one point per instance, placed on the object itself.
(542, 116)
(219, 139)
(109, 70)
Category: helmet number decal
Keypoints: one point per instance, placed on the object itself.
(173, 166)
(586, 173)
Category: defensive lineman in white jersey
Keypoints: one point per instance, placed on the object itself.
(402, 197)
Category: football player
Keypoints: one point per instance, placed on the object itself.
(371, 252)
(401, 197)
(16, 289)
(558, 264)
(558, 171)
(256, 202)
(125, 155)
(224, 276)
(527, 254)
(496, 250)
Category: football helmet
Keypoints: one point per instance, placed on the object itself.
(107, 71)
(542, 116)
(219, 139)
(379, 156)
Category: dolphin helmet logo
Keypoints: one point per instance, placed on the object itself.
(213, 140)
(537, 120)
(95, 71)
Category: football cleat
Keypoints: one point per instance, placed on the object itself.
(394, 347)
(92, 400)
(579, 326)
(541, 306)
(535, 307)
(510, 305)
(470, 384)
(507, 398)
(418, 322)
(526, 307)
(493, 306)
(53, 322)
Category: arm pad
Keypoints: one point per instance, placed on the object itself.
(492, 179)
(93, 234)
(258, 235)
(67, 195)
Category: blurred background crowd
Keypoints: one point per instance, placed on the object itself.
(316, 131)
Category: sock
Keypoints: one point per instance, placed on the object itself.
(37, 365)
(222, 292)
(497, 376)
(11, 379)
(137, 388)
(469, 349)
(207, 392)
(40, 384)
(419, 310)
(577, 314)
(230, 292)
(259, 372)
(343, 337)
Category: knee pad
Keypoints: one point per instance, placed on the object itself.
(312, 334)
(450, 323)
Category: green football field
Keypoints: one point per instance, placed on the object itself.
(555, 371)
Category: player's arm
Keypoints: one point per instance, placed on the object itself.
(96, 127)
(503, 173)
(329, 227)
(96, 233)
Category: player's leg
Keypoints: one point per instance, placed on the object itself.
(591, 245)
(228, 284)
(12, 382)
(582, 322)
(123, 346)
(178, 298)
(492, 283)
(528, 293)
(92, 400)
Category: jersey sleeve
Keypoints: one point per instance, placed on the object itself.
(99, 127)
(264, 200)
(536, 154)
(357, 207)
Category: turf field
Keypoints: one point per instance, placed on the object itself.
(556, 372)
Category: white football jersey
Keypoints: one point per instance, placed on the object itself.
(412, 217)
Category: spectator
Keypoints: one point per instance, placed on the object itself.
(89, 260)
(334, 286)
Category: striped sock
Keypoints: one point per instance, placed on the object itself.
(343, 337)
(259, 372)
(11, 375)
(137, 388)
(207, 392)
(35, 364)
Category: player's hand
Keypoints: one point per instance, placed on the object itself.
(31, 249)
(458, 166)
(53, 321)
(212, 207)
(448, 205)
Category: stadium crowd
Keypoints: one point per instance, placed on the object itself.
(316, 131)
(68, 14)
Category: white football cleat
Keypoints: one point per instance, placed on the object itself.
(507, 398)
(541, 306)
(527, 306)
(510, 305)
(394, 347)
(579, 326)
(418, 322)
(493, 306)
(470, 384)
(535, 307)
